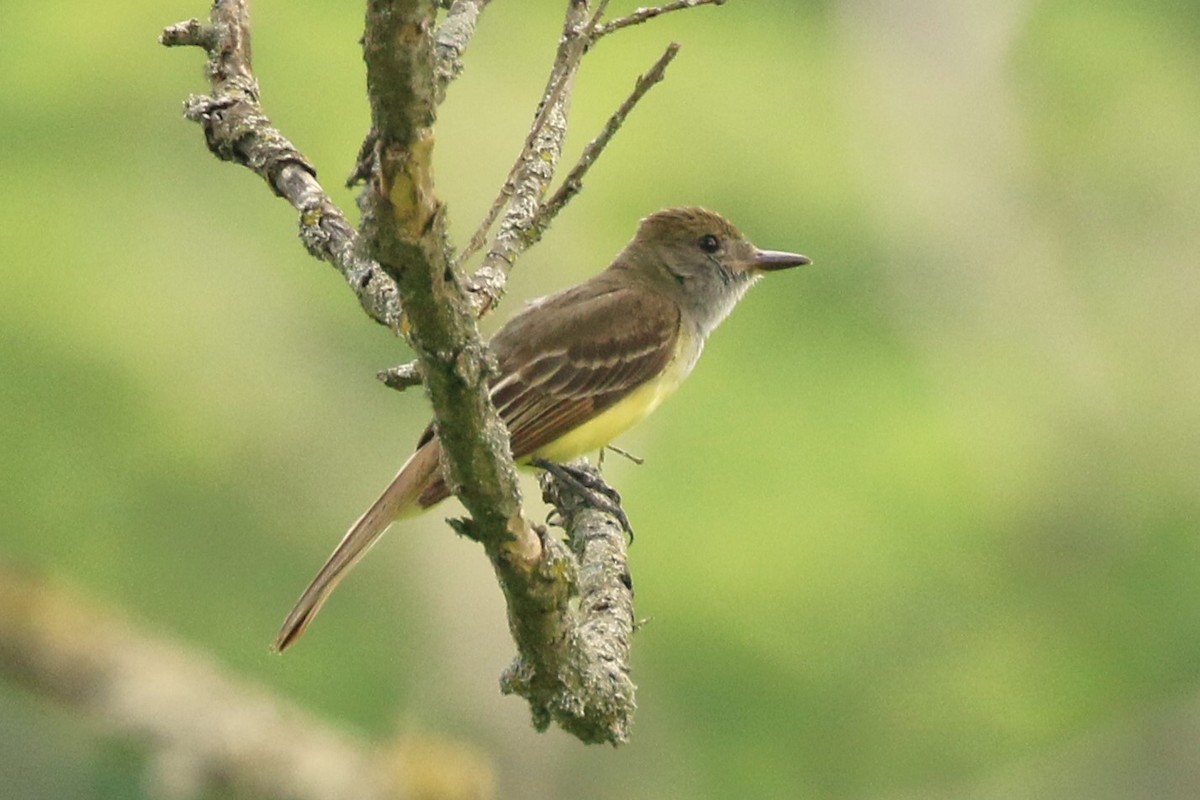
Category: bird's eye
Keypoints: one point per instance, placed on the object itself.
(710, 243)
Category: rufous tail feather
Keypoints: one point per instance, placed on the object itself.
(401, 494)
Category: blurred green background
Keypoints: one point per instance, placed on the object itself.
(922, 524)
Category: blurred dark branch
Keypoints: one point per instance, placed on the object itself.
(237, 130)
(206, 732)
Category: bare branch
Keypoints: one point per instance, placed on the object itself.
(643, 14)
(573, 183)
(623, 453)
(237, 130)
(207, 733)
(597, 15)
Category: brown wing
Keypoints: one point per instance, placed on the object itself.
(574, 355)
(571, 356)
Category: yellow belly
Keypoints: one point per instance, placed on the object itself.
(615, 420)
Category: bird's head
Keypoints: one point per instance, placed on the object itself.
(700, 259)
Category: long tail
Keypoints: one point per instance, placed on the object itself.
(401, 494)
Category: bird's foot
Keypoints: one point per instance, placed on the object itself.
(597, 493)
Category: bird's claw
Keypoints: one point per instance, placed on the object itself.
(597, 493)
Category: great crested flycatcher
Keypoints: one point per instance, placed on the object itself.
(580, 367)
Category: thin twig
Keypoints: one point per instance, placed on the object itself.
(594, 22)
(643, 14)
(534, 170)
(624, 453)
(525, 221)
(237, 130)
(401, 377)
(554, 92)
(573, 183)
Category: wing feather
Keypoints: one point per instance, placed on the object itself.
(572, 356)
(577, 354)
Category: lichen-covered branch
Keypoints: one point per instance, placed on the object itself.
(450, 42)
(572, 660)
(576, 673)
(527, 180)
(533, 171)
(206, 733)
(526, 216)
(453, 36)
(405, 231)
(237, 130)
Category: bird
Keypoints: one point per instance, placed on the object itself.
(580, 367)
